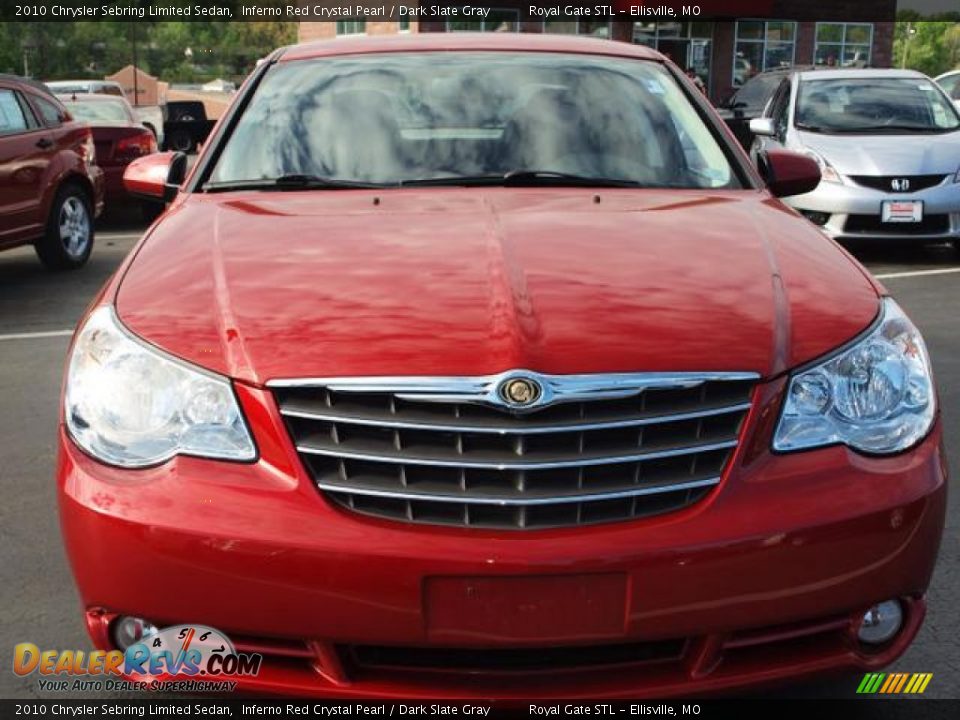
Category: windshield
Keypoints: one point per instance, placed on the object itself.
(101, 111)
(406, 117)
(874, 105)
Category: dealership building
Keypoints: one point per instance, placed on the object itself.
(723, 53)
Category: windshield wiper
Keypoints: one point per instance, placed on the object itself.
(808, 127)
(289, 182)
(520, 178)
(894, 128)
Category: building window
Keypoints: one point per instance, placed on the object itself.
(577, 27)
(688, 44)
(762, 46)
(843, 44)
(499, 20)
(351, 27)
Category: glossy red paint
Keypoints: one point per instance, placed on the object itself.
(468, 281)
(790, 173)
(762, 581)
(147, 176)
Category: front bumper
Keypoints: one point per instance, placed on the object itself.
(759, 582)
(855, 211)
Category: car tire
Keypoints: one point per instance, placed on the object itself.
(180, 141)
(68, 238)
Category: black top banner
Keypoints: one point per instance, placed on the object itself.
(448, 10)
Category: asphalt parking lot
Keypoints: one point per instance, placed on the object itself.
(38, 311)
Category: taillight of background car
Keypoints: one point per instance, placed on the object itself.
(135, 146)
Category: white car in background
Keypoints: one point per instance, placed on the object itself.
(888, 146)
(950, 82)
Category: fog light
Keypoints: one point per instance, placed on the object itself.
(129, 630)
(880, 623)
(817, 218)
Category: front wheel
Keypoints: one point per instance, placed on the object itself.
(68, 239)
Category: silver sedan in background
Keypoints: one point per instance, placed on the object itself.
(888, 145)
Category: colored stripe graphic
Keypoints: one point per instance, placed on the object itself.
(891, 681)
(914, 683)
(894, 683)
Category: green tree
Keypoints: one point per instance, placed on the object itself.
(58, 50)
(932, 47)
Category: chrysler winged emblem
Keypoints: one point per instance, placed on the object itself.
(519, 391)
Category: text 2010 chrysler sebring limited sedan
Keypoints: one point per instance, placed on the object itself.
(486, 365)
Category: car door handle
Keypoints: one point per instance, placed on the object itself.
(44, 143)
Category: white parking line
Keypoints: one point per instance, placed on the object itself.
(918, 273)
(36, 335)
(119, 236)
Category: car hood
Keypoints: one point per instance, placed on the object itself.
(262, 286)
(923, 154)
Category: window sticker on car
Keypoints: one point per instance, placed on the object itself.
(654, 86)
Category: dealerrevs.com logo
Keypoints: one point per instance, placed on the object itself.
(180, 658)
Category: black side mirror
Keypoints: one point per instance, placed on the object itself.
(175, 176)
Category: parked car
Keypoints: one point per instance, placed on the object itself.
(150, 115)
(888, 144)
(78, 87)
(950, 82)
(185, 125)
(50, 186)
(119, 139)
(463, 363)
(748, 102)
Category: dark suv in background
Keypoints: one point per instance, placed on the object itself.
(50, 187)
(750, 99)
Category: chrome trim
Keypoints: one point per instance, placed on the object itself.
(484, 389)
(463, 462)
(505, 502)
(519, 430)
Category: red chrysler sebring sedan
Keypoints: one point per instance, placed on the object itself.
(488, 366)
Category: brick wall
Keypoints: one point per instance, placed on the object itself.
(882, 45)
(324, 30)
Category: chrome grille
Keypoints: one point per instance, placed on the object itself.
(594, 448)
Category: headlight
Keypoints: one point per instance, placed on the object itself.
(875, 396)
(827, 171)
(129, 404)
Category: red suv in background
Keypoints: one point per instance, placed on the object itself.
(488, 365)
(51, 190)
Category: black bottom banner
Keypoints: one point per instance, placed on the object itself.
(773, 709)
